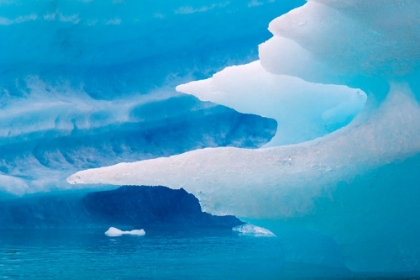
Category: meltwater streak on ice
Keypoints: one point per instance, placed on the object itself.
(375, 219)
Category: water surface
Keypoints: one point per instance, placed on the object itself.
(44, 254)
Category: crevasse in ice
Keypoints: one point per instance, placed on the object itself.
(359, 184)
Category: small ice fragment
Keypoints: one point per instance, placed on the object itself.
(252, 230)
(114, 232)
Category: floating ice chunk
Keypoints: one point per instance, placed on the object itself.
(303, 110)
(252, 230)
(114, 232)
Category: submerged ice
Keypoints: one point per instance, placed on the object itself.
(359, 184)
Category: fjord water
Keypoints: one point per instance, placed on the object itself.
(59, 254)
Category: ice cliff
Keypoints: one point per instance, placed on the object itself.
(358, 185)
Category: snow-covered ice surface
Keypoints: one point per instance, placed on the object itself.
(359, 184)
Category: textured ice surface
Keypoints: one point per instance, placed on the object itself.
(86, 84)
(346, 41)
(114, 232)
(41, 158)
(280, 181)
(303, 110)
(359, 184)
(116, 49)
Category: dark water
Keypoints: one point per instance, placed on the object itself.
(43, 254)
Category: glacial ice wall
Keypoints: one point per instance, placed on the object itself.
(358, 185)
(86, 84)
(114, 49)
(41, 159)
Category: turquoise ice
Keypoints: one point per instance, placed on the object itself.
(359, 184)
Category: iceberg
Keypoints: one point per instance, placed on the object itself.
(358, 184)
